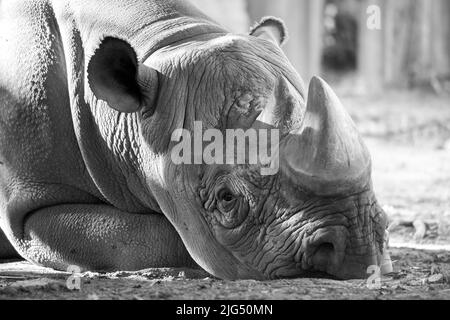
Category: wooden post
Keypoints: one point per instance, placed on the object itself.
(371, 57)
(441, 45)
(412, 48)
(399, 20)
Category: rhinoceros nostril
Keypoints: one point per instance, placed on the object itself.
(323, 256)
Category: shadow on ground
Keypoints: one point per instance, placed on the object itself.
(417, 275)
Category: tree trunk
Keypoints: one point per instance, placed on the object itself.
(412, 48)
(371, 50)
(441, 45)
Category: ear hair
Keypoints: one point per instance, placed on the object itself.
(272, 29)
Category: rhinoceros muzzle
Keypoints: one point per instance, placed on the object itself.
(327, 252)
(327, 158)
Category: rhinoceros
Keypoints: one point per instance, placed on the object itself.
(91, 93)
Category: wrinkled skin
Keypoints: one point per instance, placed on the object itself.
(88, 178)
(278, 228)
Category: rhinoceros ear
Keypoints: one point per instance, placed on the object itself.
(115, 76)
(272, 29)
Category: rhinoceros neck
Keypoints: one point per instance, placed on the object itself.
(148, 25)
(173, 28)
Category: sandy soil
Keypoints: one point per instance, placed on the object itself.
(418, 275)
(411, 164)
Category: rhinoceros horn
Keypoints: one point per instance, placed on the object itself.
(326, 155)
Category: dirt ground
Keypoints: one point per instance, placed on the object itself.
(409, 138)
(418, 275)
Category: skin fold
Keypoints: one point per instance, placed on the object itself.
(89, 99)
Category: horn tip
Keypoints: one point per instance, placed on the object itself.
(317, 83)
(317, 80)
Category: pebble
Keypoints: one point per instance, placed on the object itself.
(446, 145)
(421, 230)
(436, 278)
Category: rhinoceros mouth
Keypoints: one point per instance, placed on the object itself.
(344, 243)
(333, 257)
(313, 274)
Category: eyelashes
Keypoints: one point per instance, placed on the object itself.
(231, 210)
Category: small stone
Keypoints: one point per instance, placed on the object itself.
(421, 230)
(93, 296)
(446, 145)
(444, 258)
(182, 274)
(398, 287)
(434, 269)
(386, 266)
(436, 278)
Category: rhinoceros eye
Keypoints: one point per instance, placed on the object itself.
(231, 209)
(226, 200)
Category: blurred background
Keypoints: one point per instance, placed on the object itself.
(389, 62)
(408, 47)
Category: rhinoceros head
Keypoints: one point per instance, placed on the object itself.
(313, 209)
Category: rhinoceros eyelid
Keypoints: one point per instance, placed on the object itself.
(148, 111)
(225, 195)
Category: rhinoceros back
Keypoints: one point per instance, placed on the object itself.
(53, 141)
